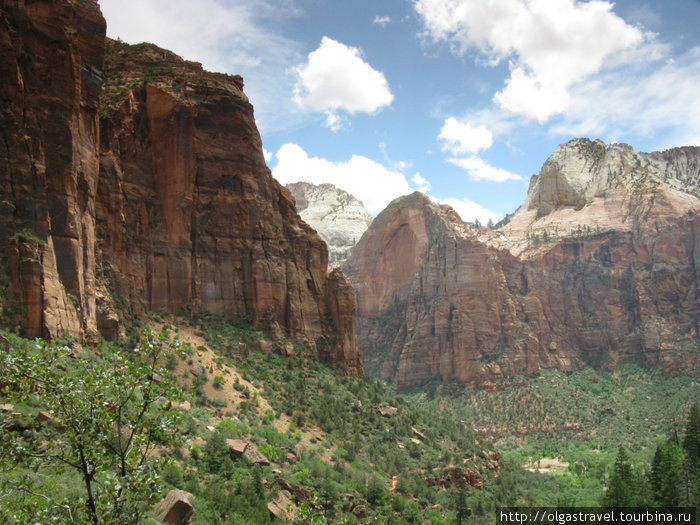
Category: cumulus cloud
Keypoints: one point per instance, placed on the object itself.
(480, 170)
(470, 211)
(336, 78)
(422, 184)
(375, 185)
(550, 45)
(267, 154)
(461, 137)
(381, 20)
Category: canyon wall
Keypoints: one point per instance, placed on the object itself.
(51, 61)
(599, 266)
(134, 181)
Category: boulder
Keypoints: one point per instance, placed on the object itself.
(282, 507)
(175, 508)
(236, 447)
(387, 411)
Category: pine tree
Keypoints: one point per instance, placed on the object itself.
(656, 474)
(620, 486)
(691, 447)
(463, 510)
(666, 474)
(691, 440)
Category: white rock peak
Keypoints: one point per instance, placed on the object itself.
(338, 217)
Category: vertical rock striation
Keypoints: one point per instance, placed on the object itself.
(149, 192)
(615, 279)
(51, 56)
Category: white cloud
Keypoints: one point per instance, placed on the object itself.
(334, 122)
(550, 44)
(461, 137)
(395, 165)
(659, 101)
(267, 155)
(422, 184)
(528, 95)
(469, 210)
(480, 170)
(381, 20)
(336, 78)
(375, 185)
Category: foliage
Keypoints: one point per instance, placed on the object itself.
(103, 416)
(665, 475)
(324, 432)
(621, 490)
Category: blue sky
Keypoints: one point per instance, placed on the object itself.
(461, 99)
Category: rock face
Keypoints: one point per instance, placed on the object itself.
(586, 186)
(438, 299)
(148, 193)
(51, 56)
(338, 217)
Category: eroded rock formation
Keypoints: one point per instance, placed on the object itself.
(616, 281)
(338, 217)
(149, 192)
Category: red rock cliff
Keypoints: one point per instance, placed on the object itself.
(582, 274)
(51, 56)
(164, 203)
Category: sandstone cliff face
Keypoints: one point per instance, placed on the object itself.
(164, 203)
(51, 57)
(437, 299)
(338, 217)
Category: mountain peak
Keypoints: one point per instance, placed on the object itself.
(338, 217)
(582, 169)
(604, 187)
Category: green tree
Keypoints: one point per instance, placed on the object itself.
(111, 413)
(666, 473)
(691, 440)
(691, 447)
(216, 452)
(463, 510)
(621, 491)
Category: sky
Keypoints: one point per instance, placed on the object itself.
(463, 100)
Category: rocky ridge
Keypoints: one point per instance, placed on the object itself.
(154, 197)
(438, 299)
(338, 217)
(587, 186)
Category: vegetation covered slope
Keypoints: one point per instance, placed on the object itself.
(346, 448)
(571, 427)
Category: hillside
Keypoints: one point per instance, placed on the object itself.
(333, 446)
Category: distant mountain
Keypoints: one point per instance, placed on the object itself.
(338, 217)
(589, 185)
(601, 265)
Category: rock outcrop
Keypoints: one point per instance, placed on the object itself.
(588, 187)
(338, 217)
(147, 193)
(438, 299)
